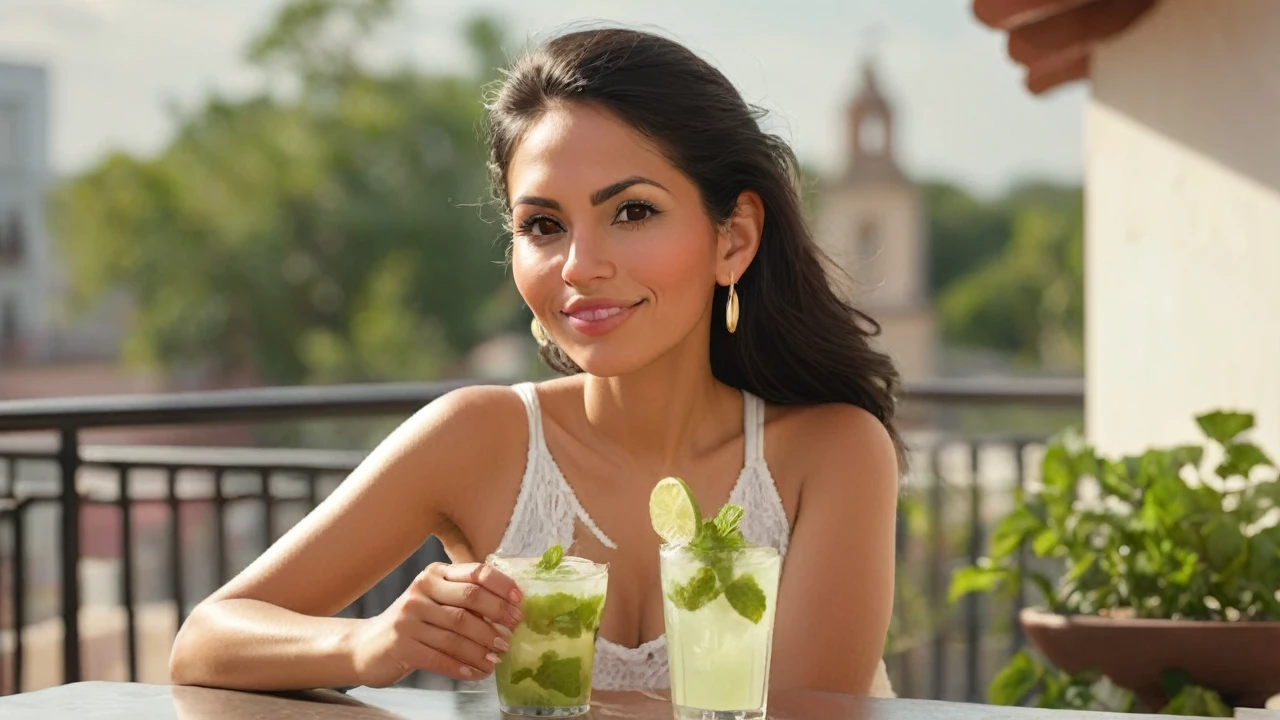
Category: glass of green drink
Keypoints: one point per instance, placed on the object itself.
(547, 671)
(718, 596)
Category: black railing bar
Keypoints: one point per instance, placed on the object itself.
(221, 406)
(1063, 392)
(306, 461)
(250, 459)
(69, 462)
(7, 505)
(305, 402)
(126, 576)
(973, 602)
(19, 593)
(175, 545)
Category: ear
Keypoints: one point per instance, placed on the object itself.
(739, 237)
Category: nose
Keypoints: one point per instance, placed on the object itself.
(590, 259)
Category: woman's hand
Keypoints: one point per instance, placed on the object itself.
(453, 621)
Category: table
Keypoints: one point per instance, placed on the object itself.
(136, 701)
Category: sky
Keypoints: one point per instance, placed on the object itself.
(119, 68)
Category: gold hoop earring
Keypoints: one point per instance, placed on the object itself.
(731, 308)
(539, 333)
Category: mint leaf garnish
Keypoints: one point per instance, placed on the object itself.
(554, 613)
(589, 611)
(701, 589)
(562, 614)
(726, 522)
(550, 559)
(521, 675)
(746, 597)
(562, 675)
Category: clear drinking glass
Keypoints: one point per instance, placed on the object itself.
(547, 671)
(719, 610)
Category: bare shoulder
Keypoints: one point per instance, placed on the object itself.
(833, 443)
(465, 436)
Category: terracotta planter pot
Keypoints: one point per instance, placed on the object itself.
(1240, 660)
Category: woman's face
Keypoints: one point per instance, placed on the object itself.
(612, 248)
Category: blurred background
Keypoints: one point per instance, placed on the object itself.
(286, 202)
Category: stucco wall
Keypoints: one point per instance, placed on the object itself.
(1182, 181)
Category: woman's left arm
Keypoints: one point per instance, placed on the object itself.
(836, 593)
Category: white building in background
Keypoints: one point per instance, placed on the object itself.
(1182, 204)
(26, 265)
(872, 223)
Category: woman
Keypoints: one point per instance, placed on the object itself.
(658, 237)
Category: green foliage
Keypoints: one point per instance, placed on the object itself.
(1007, 273)
(965, 233)
(1170, 536)
(327, 236)
(1029, 300)
(1025, 680)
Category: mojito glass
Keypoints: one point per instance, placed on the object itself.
(547, 671)
(719, 608)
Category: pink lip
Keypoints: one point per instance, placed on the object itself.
(598, 316)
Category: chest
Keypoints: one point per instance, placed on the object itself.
(597, 508)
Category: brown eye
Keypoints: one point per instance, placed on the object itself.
(539, 225)
(634, 212)
(545, 226)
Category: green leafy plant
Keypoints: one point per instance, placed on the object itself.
(1169, 535)
(1186, 533)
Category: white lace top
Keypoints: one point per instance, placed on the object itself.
(547, 510)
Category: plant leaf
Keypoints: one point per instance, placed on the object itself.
(1223, 543)
(1115, 479)
(1187, 455)
(1241, 459)
(1045, 586)
(976, 579)
(1013, 531)
(1264, 554)
(1045, 542)
(1056, 470)
(1015, 681)
(1224, 426)
(1081, 566)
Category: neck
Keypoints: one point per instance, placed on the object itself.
(666, 410)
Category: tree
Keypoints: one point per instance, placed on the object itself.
(964, 232)
(1028, 301)
(331, 234)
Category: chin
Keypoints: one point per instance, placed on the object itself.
(608, 362)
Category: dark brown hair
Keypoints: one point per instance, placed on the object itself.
(797, 341)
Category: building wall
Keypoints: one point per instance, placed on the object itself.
(1183, 224)
(910, 338)
(23, 178)
(890, 270)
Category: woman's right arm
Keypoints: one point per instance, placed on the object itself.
(272, 626)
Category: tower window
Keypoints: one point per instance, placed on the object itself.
(8, 324)
(9, 129)
(872, 134)
(867, 239)
(12, 238)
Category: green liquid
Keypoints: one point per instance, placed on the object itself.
(719, 659)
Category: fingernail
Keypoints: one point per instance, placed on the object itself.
(515, 595)
(514, 616)
(493, 658)
(466, 671)
(503, 630)
(500, 645)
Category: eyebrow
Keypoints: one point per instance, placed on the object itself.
(597, 197)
